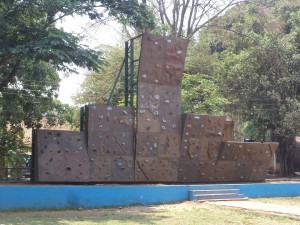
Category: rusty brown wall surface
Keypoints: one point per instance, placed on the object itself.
(164, 146)
(159, 108)
(62, 156)
(162, 60)
(106, 118)
(110, 143)
(197, 155)
(207, 154)
(103, 153)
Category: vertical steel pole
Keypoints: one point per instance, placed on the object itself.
(126, 73)
(131, 72)
(81, 118)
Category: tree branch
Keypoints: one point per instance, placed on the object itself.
(10, 76)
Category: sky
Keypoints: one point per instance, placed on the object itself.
(106, 34)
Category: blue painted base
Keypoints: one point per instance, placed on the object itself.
(60, 196)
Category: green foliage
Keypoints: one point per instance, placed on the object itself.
(200, 95)
(254, 131)
(23, 37)
(97, 86)
(131, 13)
(32, 49)
(62, 114)
(200, 57)
(200, 90)
(259, 70)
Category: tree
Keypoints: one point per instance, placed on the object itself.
(184, 18)
(36, 38)
(32, 50)
(200, 91)
(97, 86)
(200, 94)
(260, 69)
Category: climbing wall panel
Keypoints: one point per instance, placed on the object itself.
(61, 156)
(110, 143)
(106, 118)
(159, 108)
(207, 155)
(162, 60)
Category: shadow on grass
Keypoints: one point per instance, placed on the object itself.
(126, 215)
(186, 213)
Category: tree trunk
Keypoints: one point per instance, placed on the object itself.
(286, 155)
(3, 172)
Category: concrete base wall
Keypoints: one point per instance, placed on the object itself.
(59, 196)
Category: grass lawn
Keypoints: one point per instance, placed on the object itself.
(183, 213)
(292, 201)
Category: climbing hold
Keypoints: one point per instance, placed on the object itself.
(157, 97)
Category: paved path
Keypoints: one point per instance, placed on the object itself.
(260, 206)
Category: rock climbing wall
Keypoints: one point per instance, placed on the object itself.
(155, 143)
(159, 108)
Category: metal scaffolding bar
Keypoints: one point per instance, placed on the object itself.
(115, 83)
(126, 73)
(131, 72)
